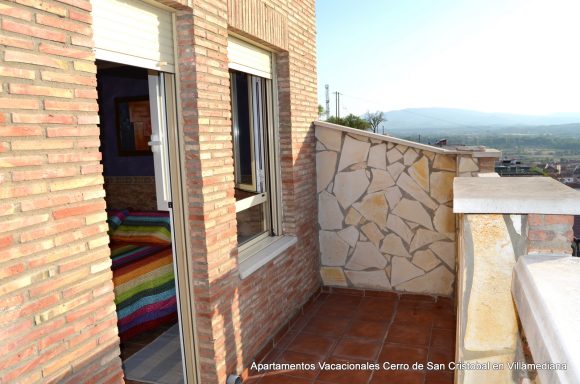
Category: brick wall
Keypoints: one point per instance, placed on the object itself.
(236, 318)
(550, 234)
(57, 318)
(58, 321)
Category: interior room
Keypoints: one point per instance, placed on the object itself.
(139, 227)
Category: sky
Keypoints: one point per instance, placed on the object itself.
(511, 56)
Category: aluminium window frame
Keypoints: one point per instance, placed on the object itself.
(271, 156)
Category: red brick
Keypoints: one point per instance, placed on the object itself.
(50, 230)
(38, 118)
(18, 13)
(93, 168)
(16, 42)
(78, 210)
(50, 201)
(84, 17)
(21, 222)
(55, 255)
(14, 103)
(25, 250)
(63, 24)
(68, 78)
(57, 50)
(32, 58)
(73, 157)
(21, 161)
(68, 131)
(57, 336)
(36, 90)
(559, 219)
(88, 119)
(82, 4)
(15, 357)
(58, 282)
(7, 209)
(86, 93)
(11, 270)
(82, 41)
(20, 73)
(6, 241)
(18, 131)
(44, 6)
(44, 173)
(70, 105)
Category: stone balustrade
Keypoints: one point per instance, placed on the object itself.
(385, 209)
(499, 221)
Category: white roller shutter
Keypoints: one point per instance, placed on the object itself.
(248, 58)
(135, 33)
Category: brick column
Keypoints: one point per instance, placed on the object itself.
(57, 317)
(550, 234)
(205, 99)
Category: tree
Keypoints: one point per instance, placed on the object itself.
(375, 119)
(350, 120)
(321, 111)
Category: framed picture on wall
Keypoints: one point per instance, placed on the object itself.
(133, 126)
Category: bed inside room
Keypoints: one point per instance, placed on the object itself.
(140, 232)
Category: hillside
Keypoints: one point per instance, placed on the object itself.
(461, 120)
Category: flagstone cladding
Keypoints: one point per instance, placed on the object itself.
(385, 212)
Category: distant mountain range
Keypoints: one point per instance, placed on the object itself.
(413, 119)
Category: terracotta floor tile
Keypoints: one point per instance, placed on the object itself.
(414, 315)
(327, 325)
(446, 302)
(276, 378)
(407, 333)
(273, 355)
(366, 329)
(397, 377)
(414, 297)
(291, 357)
(342, 299)
(443, 339)
(312, 344)
(376, 309)
(343, 327)
(301, 322)
(286, 339)
(350, 376)
(397, 353)
(440, 356)
(439, 377)
(337, 310)
(444, 321)
(357, 349)
(390, 295)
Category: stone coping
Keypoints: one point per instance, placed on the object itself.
(542, 195)
(412, 144)
(545, 288)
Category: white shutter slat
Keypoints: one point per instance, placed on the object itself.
(248, 58)
(135, 33)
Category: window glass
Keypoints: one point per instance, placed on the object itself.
(249, 125)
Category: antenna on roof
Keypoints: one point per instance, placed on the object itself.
(327, 101)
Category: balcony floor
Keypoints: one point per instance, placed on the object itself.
(376, 327)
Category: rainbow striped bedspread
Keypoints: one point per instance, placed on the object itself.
(144, 287)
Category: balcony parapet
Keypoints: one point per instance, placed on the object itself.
(474, 151)
(385, 213)
(545, 290)
(501, 220)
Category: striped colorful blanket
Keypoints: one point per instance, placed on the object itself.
(144, 287)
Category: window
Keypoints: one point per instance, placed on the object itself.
(255, 159)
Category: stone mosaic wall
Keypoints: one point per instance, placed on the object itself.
(385, 212)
